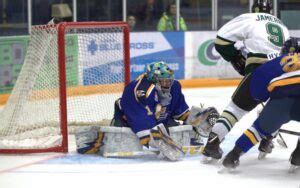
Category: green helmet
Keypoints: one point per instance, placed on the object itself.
(160, 73)
(159, 70)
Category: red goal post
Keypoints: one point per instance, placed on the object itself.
(55, 89)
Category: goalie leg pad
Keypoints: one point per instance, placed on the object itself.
(119, 139)
(88, 140)
(181, 134)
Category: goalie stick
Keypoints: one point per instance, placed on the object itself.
(170, 142)
(188, 150)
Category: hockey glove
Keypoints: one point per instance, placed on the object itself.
(202, 119)
(238, 63)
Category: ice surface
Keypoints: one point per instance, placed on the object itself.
(55, 170)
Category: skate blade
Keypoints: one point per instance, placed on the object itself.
(225, 170)
(294, 169)
(209, 160)
(262, 155)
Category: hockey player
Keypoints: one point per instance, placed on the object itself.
(154, 100)
(152, 103)
(263, 36)
(278, 80)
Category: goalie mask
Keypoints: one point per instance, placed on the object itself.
(291, 46)
(161, 75)
(264, 6)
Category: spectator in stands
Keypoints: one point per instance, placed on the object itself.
(131, 22)
(168, 21)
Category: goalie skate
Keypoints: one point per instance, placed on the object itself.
(167, 147)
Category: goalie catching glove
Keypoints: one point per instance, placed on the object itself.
(202, 119)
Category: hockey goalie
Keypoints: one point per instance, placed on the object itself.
(152, 115)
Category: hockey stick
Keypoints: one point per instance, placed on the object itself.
(170, 141)
(129, 154)
(281, 141)
(188, 150)
(289, 132)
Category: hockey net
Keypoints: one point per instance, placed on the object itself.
(72, 75)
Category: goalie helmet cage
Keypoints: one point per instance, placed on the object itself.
(72, 73)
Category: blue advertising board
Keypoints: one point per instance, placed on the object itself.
(145, 48)
(148, 47)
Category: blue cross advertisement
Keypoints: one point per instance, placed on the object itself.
(101, 57)
(148, 47)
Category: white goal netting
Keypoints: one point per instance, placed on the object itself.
(95, 77)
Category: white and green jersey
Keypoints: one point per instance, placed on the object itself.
(261, 33)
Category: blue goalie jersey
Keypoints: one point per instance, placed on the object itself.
(141, 106)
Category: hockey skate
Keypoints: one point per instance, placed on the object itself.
(165, 144)
(232, 159)
(295, 159)
(212, 150)
(265, 147)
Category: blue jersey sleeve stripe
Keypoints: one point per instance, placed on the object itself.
(283, 82)
(135, 90)
(150, 89)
